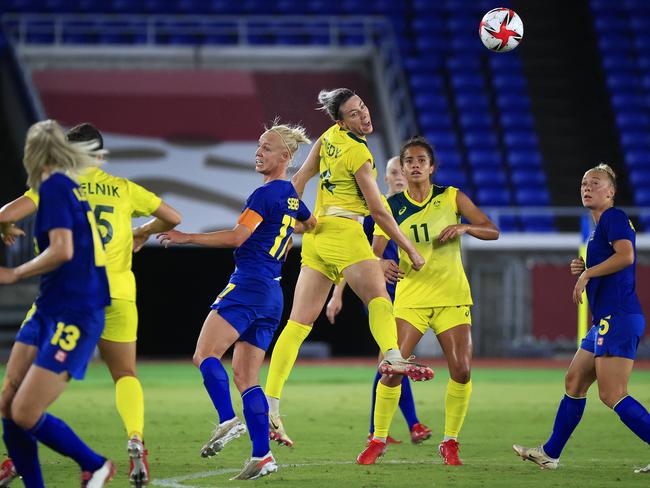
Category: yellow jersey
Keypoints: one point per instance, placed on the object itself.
(342, 153)
(442, 281)
(115, 201)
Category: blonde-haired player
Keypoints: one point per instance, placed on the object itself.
(114, 201)
(438, 296)
(338, 248)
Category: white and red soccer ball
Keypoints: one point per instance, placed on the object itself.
(501, 30)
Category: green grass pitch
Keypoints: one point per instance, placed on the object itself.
(326, 414)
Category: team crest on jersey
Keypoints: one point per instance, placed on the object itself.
(600, 341)
(436, 203)
(61, 356)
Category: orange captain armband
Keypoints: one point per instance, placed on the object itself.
(251, 219)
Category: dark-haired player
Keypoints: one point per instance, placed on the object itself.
(438, 295)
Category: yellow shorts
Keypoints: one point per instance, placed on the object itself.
(439, 319)
(121, 321)
(335, 244)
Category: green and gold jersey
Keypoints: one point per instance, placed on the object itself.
(341, 155)
(115, 201)
(442, 281)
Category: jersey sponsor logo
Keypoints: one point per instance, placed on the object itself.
(100, 189)
(401, 210)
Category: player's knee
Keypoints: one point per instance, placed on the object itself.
(611, 397)
(24, 416)
(462, 374)
(244, 380)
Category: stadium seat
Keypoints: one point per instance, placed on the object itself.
(635, 140)
(450, 177)
(476, 120)
(520, 139)
(510, 82)
(493, 196)
(532, 197)
(642, 196)
(505, 223)
(511, 121)
(484, 158)
(432, 82)
(632, 120)
(447, 158)
(460, 64)
(430, 102)
(528, 178)
(637, 159)
(524, 158)
(468, 82)
(537, 223)
(640, 177)
(480, 140)
(488, 177)
(432, 121)
(476, 101)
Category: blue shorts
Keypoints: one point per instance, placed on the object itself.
(32, 330)
(254, 311)
(615, 335)
(69, 340)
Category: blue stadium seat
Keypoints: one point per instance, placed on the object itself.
(506, 101)
(537, 223)
(484, 158)
(427, 24)
(532, 197)
(520, 139)
(418, 66)
(622, 83)
(637, 159)
(506, 223)
(632, 120)
(433, 82)
(426, 44)
(510, 82)
(626, 100)
(511, 121)
(523, 158)
(476, 120)
(468, 44)
(427, 7)
(488, 177)
(468, 83)
(430, 102)
(480, 140)
(450, 177)
(528, 178)
(459, 64)
(291, 7)
(640, 177)
(642, 196)
(493, 196)
(257, 7)
(449, 159)
(613, 63)
(510, 62)
(432, 121)
(635, 140)
(474, 101)
(611, 24)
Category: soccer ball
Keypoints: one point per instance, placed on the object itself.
(501, 30)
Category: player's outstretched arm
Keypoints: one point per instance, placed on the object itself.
(305, 225)
(480, 226)
(12, 212)
(222, 238)
(308, 169)
(382, 217)
(167, 217)
(60, 250)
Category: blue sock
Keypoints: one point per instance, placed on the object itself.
(215, 380)
(372, 404)
(256, 412)
(23, 450)
(407, 404)
(56, 435)
(567, 419)
(635, 416)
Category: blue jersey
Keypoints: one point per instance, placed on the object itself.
(614, 293)
(263, 253)
(81, 283)
(391, 251)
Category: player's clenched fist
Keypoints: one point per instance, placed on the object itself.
(577, 266)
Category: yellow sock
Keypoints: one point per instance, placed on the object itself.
(129, 400)
(284, 356)
(382, 323)
(385, 407)
(456, 404)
